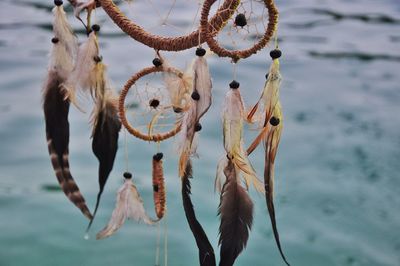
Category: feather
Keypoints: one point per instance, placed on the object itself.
(87, 73)
(106, 129)
(220, 178)
(179, 86)
(187, 135)
(129, 205)
(63, 31)
(206, 251)
(79, 6)
(271, 145)
(236, 213)
(202, 85)
(56, 111)
(158, 185)
(232, 116)
(266, 104)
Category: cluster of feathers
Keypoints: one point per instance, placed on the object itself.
(74, 69)
(79, 69)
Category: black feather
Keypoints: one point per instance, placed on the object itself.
(269, 197)
(56, 110)
(236, 213)
(105, 146)
(206, 251)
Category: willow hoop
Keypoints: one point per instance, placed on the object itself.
(168, 43)
(121, 106)
(239, 54)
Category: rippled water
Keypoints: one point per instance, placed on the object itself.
(338, 182)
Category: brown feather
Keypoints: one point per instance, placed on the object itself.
(56, 111)
(236, 213)
(206, 251)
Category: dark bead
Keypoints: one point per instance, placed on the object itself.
(276, 53)
(154, 103)
(240, 20)
(155, 188)
(177, 109)
(158, 156)
(157, 62)
(58, 2)
(98, 58)
(234, 84)
(266, 76)
(197, 127)
(54, 40)
(127, 175)
(200, 51)
(95, 27)
(274, 121)
(195, 96)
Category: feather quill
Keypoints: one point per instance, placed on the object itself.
(236, 213)
(232, 117)
(129, 205)
(106, 127)
(271, 148)
(206, 251)
(263, 109)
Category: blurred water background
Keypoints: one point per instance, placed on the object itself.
(337, 172)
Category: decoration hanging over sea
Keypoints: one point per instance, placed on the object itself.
(174, 110)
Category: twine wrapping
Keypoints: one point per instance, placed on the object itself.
(169, 43)
(239, 54)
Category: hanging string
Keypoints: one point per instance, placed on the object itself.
(166, 238)
(126, 150)
(157, 260)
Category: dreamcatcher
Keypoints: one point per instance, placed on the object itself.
(160, 102)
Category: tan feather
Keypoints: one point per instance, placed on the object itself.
(187, 135)
(233, 113)
(129, 205)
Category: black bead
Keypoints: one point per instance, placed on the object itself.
(154, 103)
(234, 84)
(274, 121)
(127, 175)
(158, 156)
(197, 127)
(155, 188)
(177, 109)
(266, 76)
(240, 20)
(98, 58)
(195, 96)
(276, 53)
(58, 2)
(157, 62)
(95, 27)
(54, 40)
(200, 51)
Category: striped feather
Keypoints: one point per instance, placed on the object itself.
(202, 85)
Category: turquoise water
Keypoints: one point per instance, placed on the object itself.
(338, 183)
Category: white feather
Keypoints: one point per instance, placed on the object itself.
(203, 85)
(232, 117)
(83, 75)
(129, 205)
(63, 31)
(220, 177)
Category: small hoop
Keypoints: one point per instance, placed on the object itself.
(239, 54)
(168, 43)
(121, 106)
